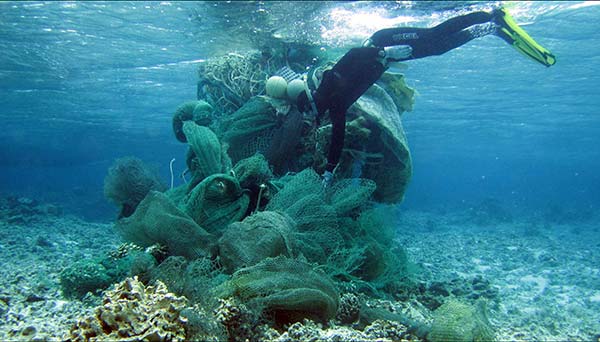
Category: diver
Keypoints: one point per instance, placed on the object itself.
(335, 89)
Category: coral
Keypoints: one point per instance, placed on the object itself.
(82, 277)
(123, 250)
(128, 181)
(349, 308)
(202, 325)
(96, 274)
(459, 321)
(238, 320)
(382, 329)
(302, 331)
(134, 312)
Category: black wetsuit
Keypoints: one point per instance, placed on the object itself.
(361, 67)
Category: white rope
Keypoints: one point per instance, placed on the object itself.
(171, 168)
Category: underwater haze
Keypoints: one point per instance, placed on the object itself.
(86, 82)
(134, 204)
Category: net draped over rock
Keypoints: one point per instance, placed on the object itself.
(458, 321)
(158, 220)
(257, 237)
(268, 221)
(216, 202)
(127, 183)
(287, 288)
(253, 171)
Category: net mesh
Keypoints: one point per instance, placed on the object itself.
(158, 220)
(262, 235)
(287, 286)
(206, 156)
(216, 201)
(250, 129)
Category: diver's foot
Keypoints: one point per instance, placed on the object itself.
(513, 34)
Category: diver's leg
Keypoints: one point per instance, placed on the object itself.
(397, 36)
(439, 45)
(461, 22)
(437, 40)
(407, 35)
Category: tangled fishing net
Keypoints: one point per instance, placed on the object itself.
(227, 82)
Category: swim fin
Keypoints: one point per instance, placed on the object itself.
(513, 34)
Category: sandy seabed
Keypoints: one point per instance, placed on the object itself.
(547, 277)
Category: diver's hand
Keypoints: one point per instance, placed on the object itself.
(397, 53)
(327, 179)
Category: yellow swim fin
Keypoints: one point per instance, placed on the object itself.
(512, 33)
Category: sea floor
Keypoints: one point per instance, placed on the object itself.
(546, 278)
(546, 275)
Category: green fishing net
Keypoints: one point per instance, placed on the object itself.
(199, 112)
(288, 289)
(375, 148)
(253, 171)
(459, 321)
(250, 129)
(257, 237)
(229, 81)
(158, 220)
(268, 126)
(216, 202)
(128, 181)
(205, 156)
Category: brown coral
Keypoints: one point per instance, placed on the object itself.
(132, 311)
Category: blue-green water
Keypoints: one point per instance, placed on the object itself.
(84, 83)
